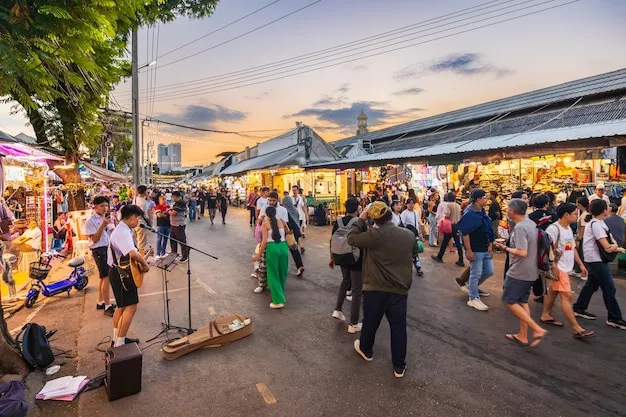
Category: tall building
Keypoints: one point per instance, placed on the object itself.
(361, 127)
(169, 157)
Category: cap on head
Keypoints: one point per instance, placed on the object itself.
(378, 210)
(600, 186)
(478, 193)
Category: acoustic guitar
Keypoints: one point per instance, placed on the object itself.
(136, 270)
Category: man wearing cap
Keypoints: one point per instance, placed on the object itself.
(600, 193)
(387, 278)
(478, 236)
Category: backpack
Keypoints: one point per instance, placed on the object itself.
(35, 347)
(12, 400)
(343, 254)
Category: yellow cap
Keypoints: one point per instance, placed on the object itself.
(378, 210)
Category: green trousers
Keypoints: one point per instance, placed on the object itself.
(277, 265)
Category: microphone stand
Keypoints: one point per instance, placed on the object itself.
(189, 329)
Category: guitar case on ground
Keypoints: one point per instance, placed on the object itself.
(220, 331)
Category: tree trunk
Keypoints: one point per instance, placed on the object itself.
(38, 125)
(71, 178)
(11, 361)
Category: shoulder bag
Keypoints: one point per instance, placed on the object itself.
(606, 257)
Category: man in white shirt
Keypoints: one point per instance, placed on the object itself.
(281, 212)
(261, 201)
(98, 227)
(30, 241)
(300, 204)
(122, 249)
(600, 193)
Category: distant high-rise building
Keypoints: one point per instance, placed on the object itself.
(361, 127)
(169, 157)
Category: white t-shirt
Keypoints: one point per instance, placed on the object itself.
(395, 219)
(595, 229)
(622, 208)
(91, 227)
(595, 196)
(300, 204)
(566, 244)
(142, 203)
(281, 213)
(261, 202)
(122, 241)
(34, 238)
(410, 218)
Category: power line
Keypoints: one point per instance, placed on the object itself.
(236, 85)
(242, 35)
(217, 30)
(458, 13)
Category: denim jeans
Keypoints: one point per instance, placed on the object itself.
(599, 277)
(162, 240)
(192, 213)
(481, 268)
(457, 241)
(432, 236)
(375, 305)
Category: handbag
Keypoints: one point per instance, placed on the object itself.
(445, 226)
(290, 239)
(258, 233)
(607, 257)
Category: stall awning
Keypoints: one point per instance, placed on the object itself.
(103, 174)
(291, 155)
(20, 150)
(535, 142)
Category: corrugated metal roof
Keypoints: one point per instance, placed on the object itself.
(598, 84)
(605, 129)
(4, 137)
(281, 156)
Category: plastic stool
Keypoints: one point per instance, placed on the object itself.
(26, 258)
(81, 248)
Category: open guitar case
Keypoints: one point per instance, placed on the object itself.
(220, 331)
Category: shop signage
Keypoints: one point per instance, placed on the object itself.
(14, 173)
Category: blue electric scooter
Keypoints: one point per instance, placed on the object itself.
(39, 272)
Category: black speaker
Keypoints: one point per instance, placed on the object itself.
(123, 371)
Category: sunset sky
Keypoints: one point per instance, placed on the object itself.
(580, 39)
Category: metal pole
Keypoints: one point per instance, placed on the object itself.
(135, 109)
(143, 155)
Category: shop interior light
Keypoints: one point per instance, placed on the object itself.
(567, 160)
(68, 166)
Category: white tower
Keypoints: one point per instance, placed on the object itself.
(362, 124)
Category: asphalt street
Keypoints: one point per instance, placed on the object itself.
(301, 362)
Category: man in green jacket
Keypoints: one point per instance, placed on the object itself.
(387, 278)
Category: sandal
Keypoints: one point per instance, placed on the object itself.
(552, 322)
(538, 340)
(584, 334)
(514, 338)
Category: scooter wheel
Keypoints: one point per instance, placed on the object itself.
(82, 284)
(30, 300)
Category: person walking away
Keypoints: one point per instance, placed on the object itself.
(201, 202)
(294, 225)
(163, 227)
(616, 225)
(223, 206)
(351, 263)
(276, 256)
(495, 212)
(282, 214)
(542, 218)
(121, 250)
(98, 228)
(410, 219)
(600, 194)
(177, 226)
(478, 236)
(596, 236)
(141, 201)
(303, 212)
(583, 210)
(387, 279)
(452, 212)
(193, 204)
(433, 205)
(168, 197)
(562, 237)
(522, 273)
(212, 202)
(251, 205)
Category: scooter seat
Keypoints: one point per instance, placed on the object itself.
(76, 262)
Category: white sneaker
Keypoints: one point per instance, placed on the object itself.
(259, 290)
(349, 298)
(355, 328)
(399, 374)
(465, 289)
(357, 347)
(478, 304)
(348, 293)
(574, 274)
(339, 315)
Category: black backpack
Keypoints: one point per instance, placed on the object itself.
(35, 347)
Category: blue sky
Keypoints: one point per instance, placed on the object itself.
(578, 40)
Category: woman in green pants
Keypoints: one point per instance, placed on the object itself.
(276, 256)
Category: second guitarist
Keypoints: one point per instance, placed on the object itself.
(122, 249)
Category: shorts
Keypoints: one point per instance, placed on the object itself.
(212, 212)
(123, 298)
(516, 290)
(563, 284)
(100, 257)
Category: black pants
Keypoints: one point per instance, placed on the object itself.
(599, 277)
(178, 233)
(538, 287)
(202, 205)
(377, 304)
(446, 239)
(252, 211)
(224, 209)
(352, 279)
(295, 253)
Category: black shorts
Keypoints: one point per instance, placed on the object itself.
(123, 298)
(516, 290)
(100, 257)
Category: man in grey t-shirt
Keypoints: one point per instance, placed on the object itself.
(177, 228)
(522, 272)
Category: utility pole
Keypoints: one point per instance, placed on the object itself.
(135, 109)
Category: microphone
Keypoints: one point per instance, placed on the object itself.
(145, 226)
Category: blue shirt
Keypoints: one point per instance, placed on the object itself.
(476, 223)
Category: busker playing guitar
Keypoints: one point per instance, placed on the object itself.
(123, 249)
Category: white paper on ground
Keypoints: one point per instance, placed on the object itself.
(59, 387)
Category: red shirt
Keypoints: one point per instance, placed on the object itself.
(163, 208)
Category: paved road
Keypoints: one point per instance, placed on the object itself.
(459, 363)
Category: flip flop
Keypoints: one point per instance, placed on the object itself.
(514, 338)
(552, 322)
(538, 340)
(584, 334)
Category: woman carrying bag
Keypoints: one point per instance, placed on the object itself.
(599, 250)
(294, 226)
